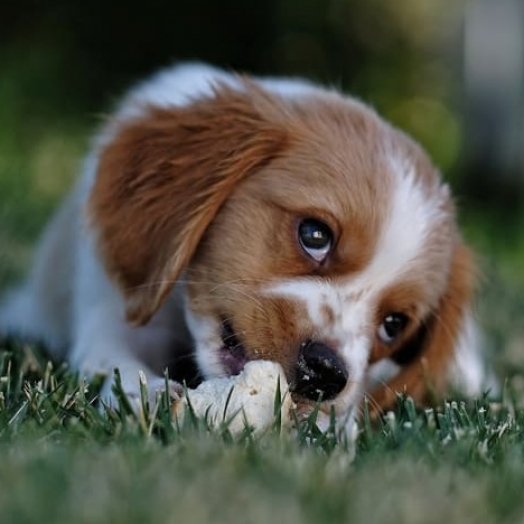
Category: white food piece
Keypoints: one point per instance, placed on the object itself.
(244, 400)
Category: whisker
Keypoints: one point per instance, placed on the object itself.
(374, 404)
(185, 280)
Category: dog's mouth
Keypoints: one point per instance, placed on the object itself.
(232, 353)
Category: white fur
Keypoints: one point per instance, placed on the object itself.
(468, 371)
(207, 338)
(410, 216)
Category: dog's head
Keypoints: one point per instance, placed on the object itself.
(305, 230)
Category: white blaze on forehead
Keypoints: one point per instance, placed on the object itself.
(412, 213)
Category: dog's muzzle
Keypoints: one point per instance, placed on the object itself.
(320, 374)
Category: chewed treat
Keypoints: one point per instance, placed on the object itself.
(240, 401)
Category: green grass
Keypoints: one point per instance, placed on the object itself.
(65, 460)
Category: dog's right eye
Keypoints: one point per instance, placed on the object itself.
(391, 327)
(316, 238)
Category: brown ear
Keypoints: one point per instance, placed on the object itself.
(162, 179)
(426, 358)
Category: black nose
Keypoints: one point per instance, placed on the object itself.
(321, 373)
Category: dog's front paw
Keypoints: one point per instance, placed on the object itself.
(132, 394)
(158, 387)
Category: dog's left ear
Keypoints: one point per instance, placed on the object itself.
(162, 179)
(426, 359)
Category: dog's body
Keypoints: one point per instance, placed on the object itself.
(238, 219)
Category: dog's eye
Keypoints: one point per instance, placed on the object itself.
(315, 238)
(392, 326)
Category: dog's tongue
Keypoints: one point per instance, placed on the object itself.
(234, 359)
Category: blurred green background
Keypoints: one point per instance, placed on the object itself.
(449, 72)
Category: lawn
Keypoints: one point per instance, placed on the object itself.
(64, 460)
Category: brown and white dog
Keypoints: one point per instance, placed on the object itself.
(239, 218)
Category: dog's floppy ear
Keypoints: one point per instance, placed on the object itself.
(427, 356)
(162, 179)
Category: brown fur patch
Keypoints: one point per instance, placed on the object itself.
(161, 181)
(328, 315)
(428, 372)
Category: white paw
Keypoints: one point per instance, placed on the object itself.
(136, 392)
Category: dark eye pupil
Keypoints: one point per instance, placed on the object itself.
(314, 234)
(394, 323)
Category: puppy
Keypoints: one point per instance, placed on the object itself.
(227, 218)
